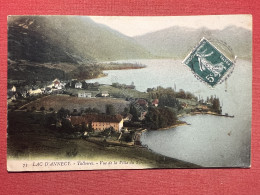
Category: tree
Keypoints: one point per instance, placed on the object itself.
(126, 110)
(189, 95)
(110, 109)
(116, 85)
(152, 118)
(49, 119)
(181, 94)
(66, 125)
(33, 108)
(83, 127)
(216, 106)
(149, 90)
(91, 110)
(95, 110)
(90, 128)
(75, 112)
(160, 117)
(168, 115)
(42, 108)
(134, 112)
(169, 101)
(63, 113)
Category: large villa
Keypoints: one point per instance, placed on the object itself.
(99, 122)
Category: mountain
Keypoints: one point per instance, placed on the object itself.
(70, 39)
(177, 42)
(42, 48)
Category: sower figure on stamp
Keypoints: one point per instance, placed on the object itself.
(204, 64)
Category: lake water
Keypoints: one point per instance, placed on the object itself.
(210, 140)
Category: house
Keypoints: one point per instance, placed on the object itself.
(11, 95)
(184, 105)
(142, 116)
(78, 85)
(96, 84)
(35, 91)
(99, 122)
(84, 94)
(13, 89)
(127, 117)
(56, 83)
(142, 102)
(132, 86)
(155, 102)
(137, 138)
(104, 94)
(202, 108)
(24, 94)
(63, 84)
(47, 90)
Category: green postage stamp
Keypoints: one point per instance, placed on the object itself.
(208, 63)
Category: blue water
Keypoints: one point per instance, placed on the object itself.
(210, 140)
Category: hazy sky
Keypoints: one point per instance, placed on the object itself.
(132, 25)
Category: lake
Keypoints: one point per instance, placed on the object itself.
(210, 141)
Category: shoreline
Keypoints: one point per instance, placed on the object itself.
(205, 113)
(148, 157)
(181, 123)
(105, 74)
(50, 144)
(99, 76)
(124, 68)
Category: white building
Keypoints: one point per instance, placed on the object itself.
(35, 92)
(78, 85)
(104, 94)
(84, 94)
(13, 89)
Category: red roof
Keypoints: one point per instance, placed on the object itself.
(155, 101)
(141, 102)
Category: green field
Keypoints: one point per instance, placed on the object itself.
(28, 140)
(69, 102)
(123, 92)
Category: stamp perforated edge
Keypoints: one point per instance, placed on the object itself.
(224, 77)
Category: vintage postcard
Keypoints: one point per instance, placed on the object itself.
(125, 92)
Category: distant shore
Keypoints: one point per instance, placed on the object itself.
(181, 123)
(121, 66)
(205, 113)
(116, 67)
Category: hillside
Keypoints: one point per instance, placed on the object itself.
(72, 39)
(177, 42)
(46, 47)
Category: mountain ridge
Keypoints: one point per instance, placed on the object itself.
(72, 39)
(166, 43)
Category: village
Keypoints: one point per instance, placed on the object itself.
(114, 114)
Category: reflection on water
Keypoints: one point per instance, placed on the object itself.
(209, 140)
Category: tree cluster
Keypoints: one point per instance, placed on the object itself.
(216, 106)
(134, 112)
(110, 109)
(156, 93)
(160, 117)
(169, 101)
